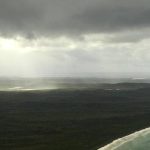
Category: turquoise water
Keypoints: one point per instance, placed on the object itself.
(137, 141)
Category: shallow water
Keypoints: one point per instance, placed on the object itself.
(137, 141)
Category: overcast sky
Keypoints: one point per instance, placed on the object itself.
(75, 38)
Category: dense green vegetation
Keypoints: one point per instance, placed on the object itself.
(70, 119)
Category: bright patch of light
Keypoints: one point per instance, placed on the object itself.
(8, 44)
(44, 56)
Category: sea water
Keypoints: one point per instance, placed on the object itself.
(137, 141)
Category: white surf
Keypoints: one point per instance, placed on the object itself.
(137, 141)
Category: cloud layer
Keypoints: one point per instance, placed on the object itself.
(44, 37)
(61, 17)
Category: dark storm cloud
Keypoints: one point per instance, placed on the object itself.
(114, 15)
(128, 36)
(72, 17)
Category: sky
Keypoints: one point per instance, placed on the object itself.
(103, 38)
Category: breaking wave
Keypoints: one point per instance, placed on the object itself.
(137, 141)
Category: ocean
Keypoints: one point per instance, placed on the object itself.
(74, 113)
